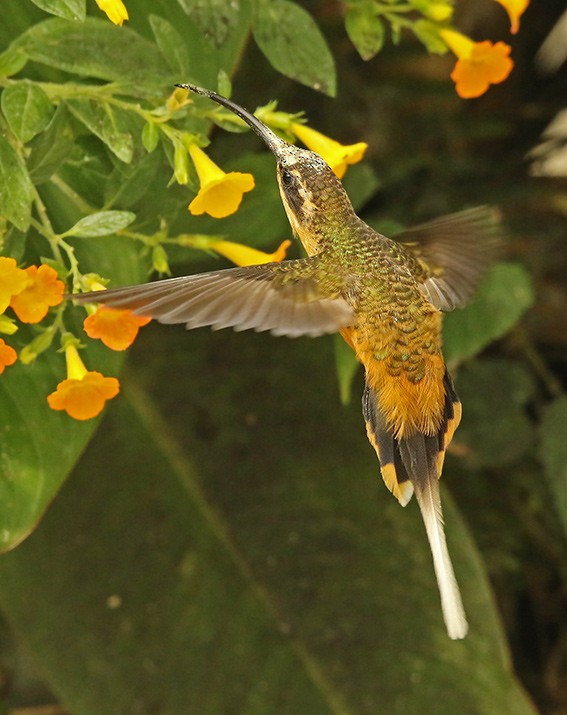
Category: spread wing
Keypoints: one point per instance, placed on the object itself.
(290, 298)
(454, 252)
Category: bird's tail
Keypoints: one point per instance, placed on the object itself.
(413, 464)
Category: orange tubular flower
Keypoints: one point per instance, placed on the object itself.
(43, 291)
(115, 10)
(338, 156)
(515, 9)
(13, 280)
(221, 193)
(245, 255)
(479, 64)
(116, 328)
(8, 355)
(83, 394)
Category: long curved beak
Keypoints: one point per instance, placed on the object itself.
(275, 144)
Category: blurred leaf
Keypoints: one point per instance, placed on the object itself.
(52, 147)
(290, 39)
(27, 109)
(16, 189)
(40, 446)
(361, 183)
(501, 300)
(12, 61)
(289, 567)
(171, 44)
(427, 32)
(553, 453)
(365, 30)
(347, 367)
(495, 428)
(215, 18)
(150, 136)
(69, 9)
(129, 183)
(108, 124)
(102, 223)
(96, 48)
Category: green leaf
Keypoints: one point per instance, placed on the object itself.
(96, 48)
(427, 33)
(365, 30)
(27, 109)
(16, 189)
(291, 568)
(150, 136)
(215, 18)
(107, 123)
(294, 45)
(12, 61)
(102, 223)
(69, 9)
(171, 44)
(553, 454)
(347, 367)
(128, 184)
(495, 429)
(502, 299)
(51, 148)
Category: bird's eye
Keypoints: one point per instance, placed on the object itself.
(287, 177)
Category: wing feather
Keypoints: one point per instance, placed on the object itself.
(455, 252)
(289, 298)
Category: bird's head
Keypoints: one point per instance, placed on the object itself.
(310, 191)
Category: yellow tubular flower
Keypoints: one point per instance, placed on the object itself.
(337, 155)
(115, 10)
(83, 394)
(221, 193)
(246, 256)
(515, 9)
(479, 64)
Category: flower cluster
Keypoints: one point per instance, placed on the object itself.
(481, 64)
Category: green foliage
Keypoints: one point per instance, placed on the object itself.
(293, 44)
(501, 300)
(300, 578)
(230, 511)
(553, 454)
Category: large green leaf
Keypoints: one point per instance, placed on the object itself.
(294, 45)
(227, 546)
(96, 48)
(215, 18)
(16, 189)
(27, 110)
(69, 9)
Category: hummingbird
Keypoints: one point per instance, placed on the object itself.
(385, 296)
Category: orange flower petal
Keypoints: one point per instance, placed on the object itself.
(487, 64)
(43, 291)
(85, 398)
(116, 328)
(8, 355)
